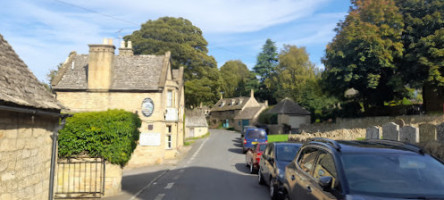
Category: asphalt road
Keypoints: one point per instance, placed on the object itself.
(213, 169)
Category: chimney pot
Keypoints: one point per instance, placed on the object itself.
(122, 44)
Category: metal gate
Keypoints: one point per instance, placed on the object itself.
(80, 178)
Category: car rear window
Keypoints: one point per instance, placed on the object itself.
(394, 175)
(256, 134)
(286, 152)
(262, 147)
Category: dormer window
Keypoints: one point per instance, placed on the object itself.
(232, 101)
(222, 104)
(239, 102)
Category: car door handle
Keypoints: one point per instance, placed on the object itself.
(308, 188)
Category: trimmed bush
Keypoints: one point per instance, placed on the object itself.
(110, 134)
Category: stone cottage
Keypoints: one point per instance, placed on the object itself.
(29, 115)
(236, 112)
(195, 123)
(143, 84)
(290, 115)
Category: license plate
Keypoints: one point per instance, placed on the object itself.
(254, 142)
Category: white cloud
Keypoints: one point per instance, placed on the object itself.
(214, 16)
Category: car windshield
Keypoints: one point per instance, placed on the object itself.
(286, 152)
(256, 134)
(394, 175)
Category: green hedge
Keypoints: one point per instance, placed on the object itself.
(111, 135)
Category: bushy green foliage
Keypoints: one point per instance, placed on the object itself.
(267, 118)
(109, 134)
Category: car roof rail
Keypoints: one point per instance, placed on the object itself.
(404, 145)
(331, 142)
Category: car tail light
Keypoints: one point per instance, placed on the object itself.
(258, 156)
(245, 141)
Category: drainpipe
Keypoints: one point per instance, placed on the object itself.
(54, 137)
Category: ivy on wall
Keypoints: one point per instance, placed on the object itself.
(110, 134)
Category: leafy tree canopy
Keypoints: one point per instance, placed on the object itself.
(188, 48)
(423, 41)
(267, 61)
(237, 78)
(363, 53)
(291, 74)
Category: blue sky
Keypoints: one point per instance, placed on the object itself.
(44, 32)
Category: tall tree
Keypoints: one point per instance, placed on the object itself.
(237, 78)
(423, 42)
(362, 55)
(188, 48)
(291, 74)
(266, 63)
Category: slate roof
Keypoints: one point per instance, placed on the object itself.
(140, 72)
(289, 107)
(248, 113)
(230, 104)
(18, 86)
(195, 118)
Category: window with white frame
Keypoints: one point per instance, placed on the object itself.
(169, 139)
(170, 98)
(169, 142)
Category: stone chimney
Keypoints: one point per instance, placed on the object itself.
(126, 51)
(100, 64)
(266, 103)
(252, 93)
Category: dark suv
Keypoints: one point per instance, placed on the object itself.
(369, 169)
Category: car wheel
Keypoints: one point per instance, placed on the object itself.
(273, 189)
(286, 196)
(260, 179)
(252, 170)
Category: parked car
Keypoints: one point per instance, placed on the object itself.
(369, 169)
(272, 166)
(253, 156)
(245, 129)
(253, 136)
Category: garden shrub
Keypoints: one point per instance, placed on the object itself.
(110, 134)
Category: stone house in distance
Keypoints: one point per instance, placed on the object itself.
(29, 115)
(236, 112)
(290, 115)
(195, 123)
(143, 84)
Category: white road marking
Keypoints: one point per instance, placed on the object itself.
(197, 152)
(147, 186)
(169, 186)
(159, 197)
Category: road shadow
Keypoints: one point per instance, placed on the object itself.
(236, 150)
(194, 183)
(242, 167)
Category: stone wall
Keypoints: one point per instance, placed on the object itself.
(363, 123)
(343, 134)
(25, 154)
(87, 177)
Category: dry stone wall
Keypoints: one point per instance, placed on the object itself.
(25, 154)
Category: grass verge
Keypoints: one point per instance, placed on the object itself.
(190, 141)
(278, 138)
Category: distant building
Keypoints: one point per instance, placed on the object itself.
(29, 115)
(195, 123)
(236, 112)
(290, 114)
(143, 84)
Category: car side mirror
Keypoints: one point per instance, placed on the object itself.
(325, 182)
